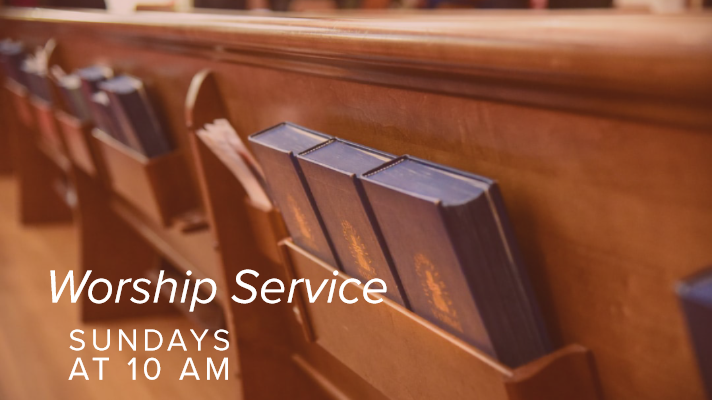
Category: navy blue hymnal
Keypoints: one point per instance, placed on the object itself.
(696, 298)
(332, 171)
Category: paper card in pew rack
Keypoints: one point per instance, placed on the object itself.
(276, 149)
(696, 297)
(221, 138)
(331, 172)
(136, 116)
(454, 251)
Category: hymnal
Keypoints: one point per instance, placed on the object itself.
(276, 149)
(451, 243)
(35, 71)
(12, 55)
(696, 297)
(221, 138)
(92, 76)
(135, 114)
(331, 171)
(70, 87)
(104, 117)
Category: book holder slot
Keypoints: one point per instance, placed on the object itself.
(77, 137)
(155, 186)
(404, 356)
(47, 126)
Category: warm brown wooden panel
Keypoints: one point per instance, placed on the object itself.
(155, 186)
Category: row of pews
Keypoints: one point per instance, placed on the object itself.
(596, 125)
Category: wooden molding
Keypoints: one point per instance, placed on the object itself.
(640, 67)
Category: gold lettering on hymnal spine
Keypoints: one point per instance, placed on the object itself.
(436, 292)
(358, 250)
(301, 220)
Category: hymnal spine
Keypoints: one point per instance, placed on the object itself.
(70, 87)
(457, 261)
(135, 115)
(696, 297)
(12, 56)
(89, 78)
(331, 171)
(104, 117)
(39, 85)
(288, 187)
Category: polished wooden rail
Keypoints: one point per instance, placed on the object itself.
(603, 63)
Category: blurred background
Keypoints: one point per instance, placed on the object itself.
(125, 6)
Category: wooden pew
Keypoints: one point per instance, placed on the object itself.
(597, 127)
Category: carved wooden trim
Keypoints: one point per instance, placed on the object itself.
(579, 63)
